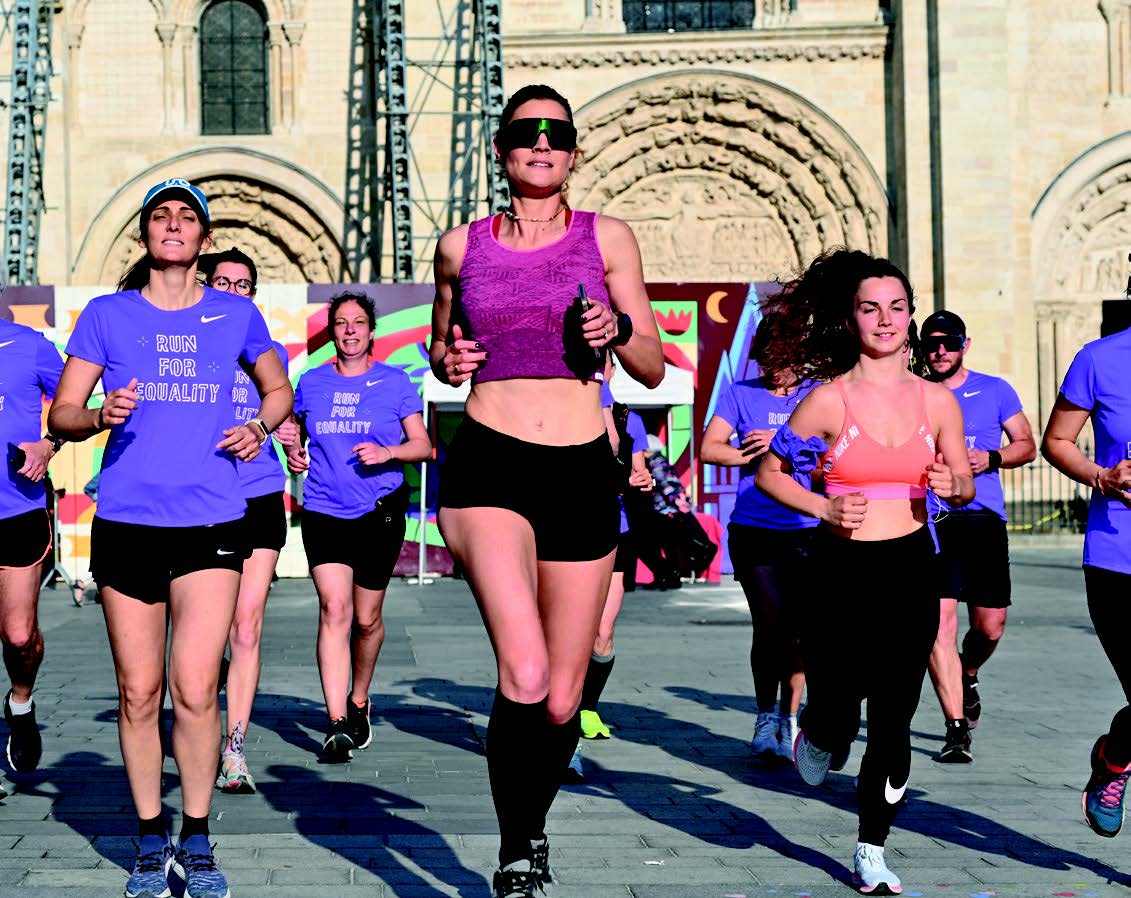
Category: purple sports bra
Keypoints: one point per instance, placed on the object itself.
(515, 302)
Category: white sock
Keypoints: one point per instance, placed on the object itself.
(20, 707)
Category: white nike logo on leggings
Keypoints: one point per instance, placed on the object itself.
(892, 796)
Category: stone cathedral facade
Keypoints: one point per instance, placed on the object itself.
(983, 144)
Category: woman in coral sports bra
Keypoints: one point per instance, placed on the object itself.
(881, 437)
(539, 563)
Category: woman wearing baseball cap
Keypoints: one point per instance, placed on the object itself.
(167, 530)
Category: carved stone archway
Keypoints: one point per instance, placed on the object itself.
(726, 177)
(1081, 237)
(282, 217)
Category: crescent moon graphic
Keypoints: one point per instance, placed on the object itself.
(713, 311)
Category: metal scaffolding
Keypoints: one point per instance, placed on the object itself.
(436, 76)
(27, 24)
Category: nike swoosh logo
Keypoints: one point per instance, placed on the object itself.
(8, 343)
(373, 383)
(222, 551)
(893, 796)
(205, 319)
(968, 395)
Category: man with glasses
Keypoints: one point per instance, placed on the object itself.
(973, 544)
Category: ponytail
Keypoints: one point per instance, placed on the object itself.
(137, 275)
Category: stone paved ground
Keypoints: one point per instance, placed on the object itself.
(673, 808)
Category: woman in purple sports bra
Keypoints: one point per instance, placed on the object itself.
(882, 437)
(506, 318)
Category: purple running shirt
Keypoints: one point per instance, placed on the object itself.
(637, 436)
(1097, 380)
(987, 402)
(161, 468)
(749, 405)
(29, 370)
(514, 302)
(264, 474)
(339, 412)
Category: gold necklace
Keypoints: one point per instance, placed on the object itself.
(509, 213)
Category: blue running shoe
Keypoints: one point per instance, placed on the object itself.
(150, 876)
(1103, 796)
(197, 867)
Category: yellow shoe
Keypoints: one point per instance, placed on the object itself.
(592, 727)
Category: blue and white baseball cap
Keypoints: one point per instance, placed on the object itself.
(177, 189)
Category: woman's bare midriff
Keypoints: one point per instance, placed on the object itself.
(887, 519)
(550, 411)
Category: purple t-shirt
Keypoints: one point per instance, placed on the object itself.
(749, 405)
(263, 474)
(338, 413)
(161, 467)
(987, 402)
(29, 370)
(637, 436)
(1097, 380)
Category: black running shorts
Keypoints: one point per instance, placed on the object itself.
(974, 558)
(25, 539)
(568, 494)
(754, 547)
(141, 561)
(265, 522)
(626, 555)
(370, 544)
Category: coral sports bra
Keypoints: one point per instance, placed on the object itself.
(856, 463)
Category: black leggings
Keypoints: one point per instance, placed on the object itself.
(1108, 592)
(868, 624)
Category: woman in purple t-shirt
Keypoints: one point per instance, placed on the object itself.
(768, 542)
(364, 421)
(1096, 387)
(505, 317)
(166, 541)
(265, 528)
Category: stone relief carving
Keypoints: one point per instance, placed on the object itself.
(725, 176)
(617, 57)
(289, 243)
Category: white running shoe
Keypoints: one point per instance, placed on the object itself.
(765, 742)
(787, 736)
(811, 762)
(872, 873)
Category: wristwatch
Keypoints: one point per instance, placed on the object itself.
(258, 422)
(56, 443)
(624, 330)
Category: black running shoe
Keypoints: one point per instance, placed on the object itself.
(515, 880)
(956, 749)
(337, 747)
(359, 729)
(971, 700)
(25, 745)
(543, 874)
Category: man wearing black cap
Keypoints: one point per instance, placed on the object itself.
(973, 545)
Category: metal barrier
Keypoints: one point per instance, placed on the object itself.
(1039, 499)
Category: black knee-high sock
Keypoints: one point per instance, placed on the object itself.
(561, 740)
(596, 676)
(515, 742)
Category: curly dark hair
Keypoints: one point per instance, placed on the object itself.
(809, 316)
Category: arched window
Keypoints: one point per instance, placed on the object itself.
(233, 68)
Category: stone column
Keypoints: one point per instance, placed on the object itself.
(166, 31)
(294, 32)
(1114, 12)
(278, 113)
(190, 78)
(73, 35)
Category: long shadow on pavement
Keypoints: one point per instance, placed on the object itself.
(687, 740)
(698, 745)
(339, 815)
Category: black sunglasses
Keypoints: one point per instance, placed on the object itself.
(950, 342)
(524, 132)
